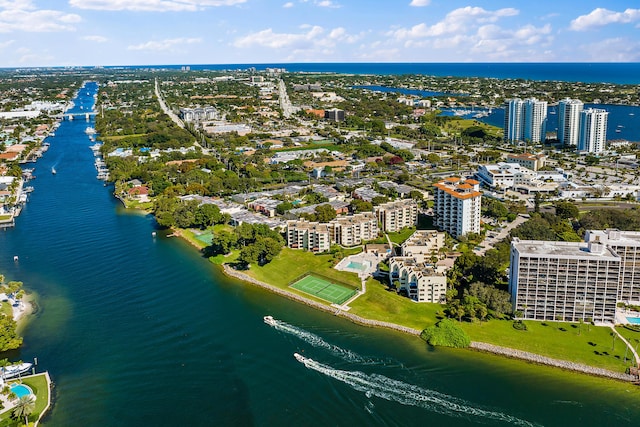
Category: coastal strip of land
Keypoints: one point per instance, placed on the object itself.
(479, 346)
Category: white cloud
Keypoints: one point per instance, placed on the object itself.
(460, 20)
(312, 39)
(152, 5)
(328, 3)
(600, 17)
(287, 5)
(167, 45)
(97, 39)
(17, 4)
(21, 15)
(6, 44)
(618, 49)
(267, 38)
(420, 3)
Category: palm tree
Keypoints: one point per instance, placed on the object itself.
(24, 408)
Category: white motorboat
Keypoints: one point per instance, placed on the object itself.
(15, 370)
(269, 320)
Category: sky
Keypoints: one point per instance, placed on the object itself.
(36, 33)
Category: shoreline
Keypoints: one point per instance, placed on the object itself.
(474, 346)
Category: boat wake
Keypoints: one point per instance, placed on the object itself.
(411, 395)
(318, 342)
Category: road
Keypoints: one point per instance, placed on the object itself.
(166, 109)
(491, 239)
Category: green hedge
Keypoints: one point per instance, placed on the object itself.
(446, 333)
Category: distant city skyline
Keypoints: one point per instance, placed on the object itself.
(148, 32)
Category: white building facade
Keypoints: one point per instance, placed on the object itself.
(569, 121)
(525, 120)
(566, 281)
(593, 130)
(457, 206)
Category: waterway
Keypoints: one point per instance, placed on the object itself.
(141, 330)
(622, 121)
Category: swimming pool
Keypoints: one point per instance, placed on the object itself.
(634, 320)
(356, 266)
(20, 390)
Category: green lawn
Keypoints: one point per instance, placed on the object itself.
(38, 384)
(379, 304)
(590, 345)
(291, 264)
(399, 237)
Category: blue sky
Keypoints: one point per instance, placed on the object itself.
(136, 32)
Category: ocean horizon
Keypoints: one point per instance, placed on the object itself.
(587, 72)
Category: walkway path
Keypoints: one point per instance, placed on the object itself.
(624, 340)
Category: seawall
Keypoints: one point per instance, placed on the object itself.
(478, 346)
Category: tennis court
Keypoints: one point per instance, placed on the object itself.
(324, 289)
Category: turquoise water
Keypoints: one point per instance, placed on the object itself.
(634, 320)
(356, 266)
(125, 314)
(20, 390)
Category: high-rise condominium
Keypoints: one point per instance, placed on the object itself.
(569, 121)
(593, 130)
(525, 120)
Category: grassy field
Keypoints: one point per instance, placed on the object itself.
(402, 235)
(38, 384)
(379, 304)
(590, 345)
(291, 264)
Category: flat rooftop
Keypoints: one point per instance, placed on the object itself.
(566, 250)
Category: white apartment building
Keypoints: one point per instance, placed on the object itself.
(569, 281)
(457, 206)
(423, 244)
(529, 161)
(625, 244)
(507, 176)
(394, 216)
(525, 120)
(312, 236)
(353, 230)
(569, 121)
(349, 230)
(423, 281)
(198, 114)
(593, 130)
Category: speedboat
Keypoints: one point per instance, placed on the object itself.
(53, 171)
(269, 320)
(15, 370)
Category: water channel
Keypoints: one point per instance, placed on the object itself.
(142, 330)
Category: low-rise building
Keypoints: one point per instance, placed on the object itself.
(422, 281)
(394, 216)
(355, 229)
(527, 160)
(312, 236)
(423, 244)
